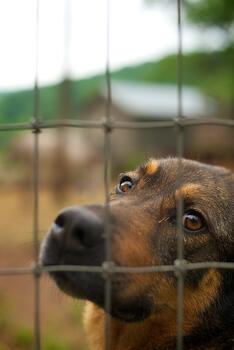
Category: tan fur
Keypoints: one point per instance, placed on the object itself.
(94, 326)
(207, 291)
(132, 336)
(189, 190)
(151, 167)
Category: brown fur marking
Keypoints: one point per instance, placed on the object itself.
(189, 190)
(132, 336)
(151, 167)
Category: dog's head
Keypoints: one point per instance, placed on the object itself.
(143, 225)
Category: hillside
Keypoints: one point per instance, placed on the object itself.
(212, 72)
(209, 72)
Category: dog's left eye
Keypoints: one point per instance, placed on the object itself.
(125, 185)
(193, 221)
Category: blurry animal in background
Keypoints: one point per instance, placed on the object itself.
(64, 156)
(144, 233)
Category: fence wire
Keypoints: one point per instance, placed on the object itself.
(179, 205)
(179, 124)
(36, 243)
(107, 173)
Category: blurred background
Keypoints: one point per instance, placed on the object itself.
(71, 56)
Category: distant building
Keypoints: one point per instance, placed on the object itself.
(148, 101)
(158, 101)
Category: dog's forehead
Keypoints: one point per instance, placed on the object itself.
(180, 166)
(184, 171)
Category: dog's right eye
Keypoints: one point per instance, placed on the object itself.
(125, 185)
(193, 222)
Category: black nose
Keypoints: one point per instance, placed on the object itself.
(79, 225)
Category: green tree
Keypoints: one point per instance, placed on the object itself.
(212, 13)
(209, 14)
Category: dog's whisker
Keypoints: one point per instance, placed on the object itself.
(164, 219)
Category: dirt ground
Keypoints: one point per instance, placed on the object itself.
(60, 315)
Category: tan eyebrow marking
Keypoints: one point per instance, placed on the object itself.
(151, 167)
(189, 190)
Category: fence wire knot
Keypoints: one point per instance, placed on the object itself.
(36, 126)
(179, 122)
(108, 269)
(107, 125)
(180, 267)
(37, 271)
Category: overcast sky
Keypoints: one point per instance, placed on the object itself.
(137, 33)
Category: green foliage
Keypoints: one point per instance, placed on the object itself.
(217, 14)
(18, 107)
(211, 12)
(75, 313)
(208, 13)
(130, 162)
(23, 337)
(3, 320)
(52, 343)
(85, 90)
(3, 315)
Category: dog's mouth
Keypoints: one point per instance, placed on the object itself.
(75, 284)
(90, 286)
(63, 282)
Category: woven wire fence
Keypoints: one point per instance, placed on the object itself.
(108, 268)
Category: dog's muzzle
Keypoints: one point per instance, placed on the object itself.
(76, 231)
(77, 238)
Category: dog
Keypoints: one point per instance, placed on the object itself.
(142, 219)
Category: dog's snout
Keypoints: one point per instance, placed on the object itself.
(81, 225)
(60, 221)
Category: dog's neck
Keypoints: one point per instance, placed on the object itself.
(157, 332)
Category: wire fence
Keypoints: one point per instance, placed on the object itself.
(179, 124)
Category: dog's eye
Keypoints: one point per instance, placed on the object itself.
(125, 185)
(193, 221)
